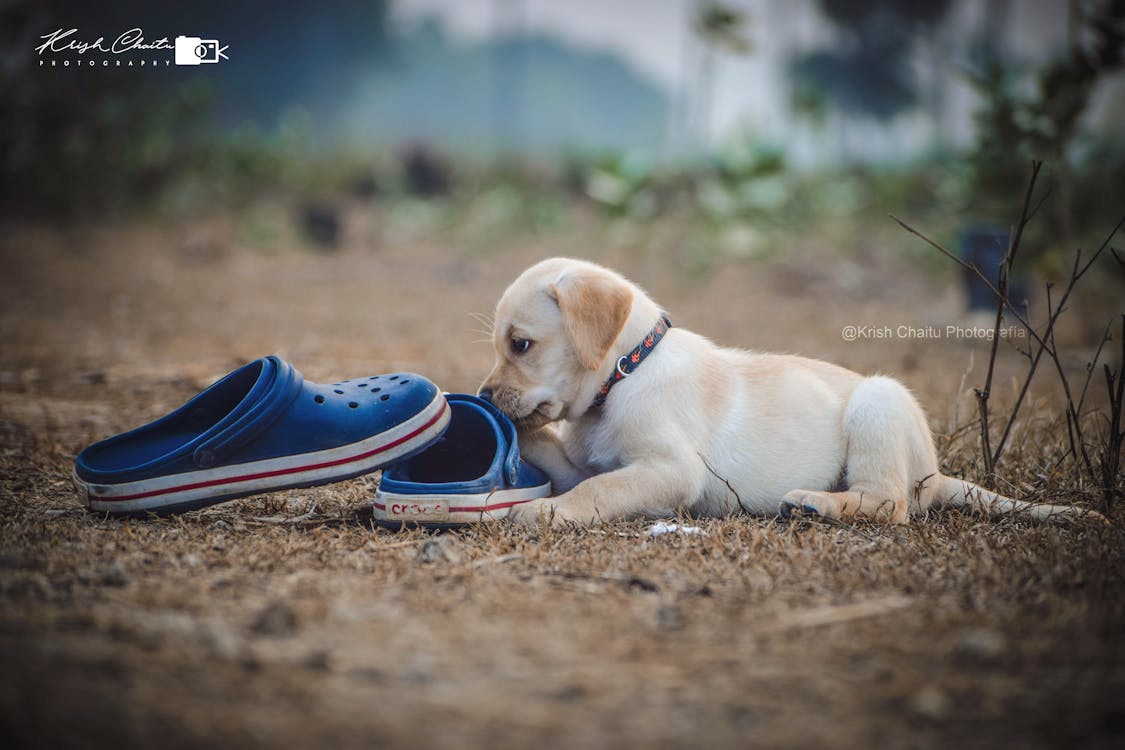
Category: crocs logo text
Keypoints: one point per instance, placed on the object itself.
(428, 511)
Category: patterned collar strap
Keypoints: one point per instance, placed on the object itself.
(630, 362)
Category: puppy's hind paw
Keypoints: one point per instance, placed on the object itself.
(788, 510)
(801, 502)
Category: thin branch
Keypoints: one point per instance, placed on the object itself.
(1014, 246)
(1046, 344)
(1119, 259)
(1090, 365)
(727, 483)
(983, 394)
(1102, 247)
(1111, 456)
(1043, 341)
(1039, 204)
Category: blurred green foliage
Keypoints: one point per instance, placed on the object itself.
(865, 72)
(1030, 114)
(88, 138)
(105, 148)
(116, 145)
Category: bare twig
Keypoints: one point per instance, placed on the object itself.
(831, 615)
(1119, 259)
(1046, 346)
(1002, 302)
(727, 483)
(1103, 246)
(1044, 343)
(308, 515)
(1106, 337)
(1074, 427)
(1025, 216)
(1115, 440)
(498, 560)
(971, 268)
(1073, 422)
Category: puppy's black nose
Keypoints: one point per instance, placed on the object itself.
(485, 394)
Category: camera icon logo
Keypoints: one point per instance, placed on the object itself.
(191, 50)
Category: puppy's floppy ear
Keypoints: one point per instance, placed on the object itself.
(594, 309)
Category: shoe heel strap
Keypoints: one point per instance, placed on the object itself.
(286, 384)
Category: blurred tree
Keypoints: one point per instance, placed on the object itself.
(722, 28)
(1016, 123)
(866, 74)
(93, 136)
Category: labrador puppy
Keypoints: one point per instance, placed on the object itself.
(633, 418)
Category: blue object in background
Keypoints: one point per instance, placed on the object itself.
(985, 247)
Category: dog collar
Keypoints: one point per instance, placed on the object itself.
(630, 361)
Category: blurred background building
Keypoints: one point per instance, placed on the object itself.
(751, 114)
(793, 80)
(828, 80)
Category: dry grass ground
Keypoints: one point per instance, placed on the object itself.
(288, 620)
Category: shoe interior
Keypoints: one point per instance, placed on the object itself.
(179, 428)
(464, 453)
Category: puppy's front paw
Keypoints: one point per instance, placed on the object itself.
(535, 512)
(807, 501)
(555, 511)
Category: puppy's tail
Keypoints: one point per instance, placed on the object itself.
(952, 493)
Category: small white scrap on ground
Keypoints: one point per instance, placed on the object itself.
(660, 529)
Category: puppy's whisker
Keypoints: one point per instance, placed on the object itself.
(484, 320)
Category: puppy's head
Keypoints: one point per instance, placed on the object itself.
(554, 327)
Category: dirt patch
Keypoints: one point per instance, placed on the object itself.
(289, 619)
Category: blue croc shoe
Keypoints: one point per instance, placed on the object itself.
(263, 427)
(473, 473)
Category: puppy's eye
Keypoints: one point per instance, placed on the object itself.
(520, 346)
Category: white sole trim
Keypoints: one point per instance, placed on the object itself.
(470, 508)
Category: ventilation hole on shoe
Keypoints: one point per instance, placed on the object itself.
(403, 382)
(362, 385)
(384, 397)
(376, 390)
(352, 404)
(319, 399)
(394, 377)
(338, 391)
(373, 377)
